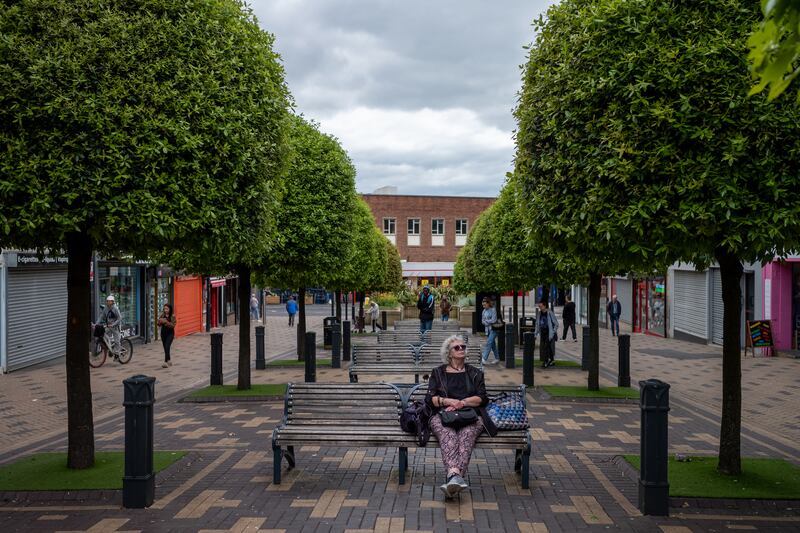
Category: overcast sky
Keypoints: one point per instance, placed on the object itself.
(420, 94)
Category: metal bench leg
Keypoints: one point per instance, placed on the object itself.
(277, 455)
(517, 460)
(526, 468)
(403, 454)
(290, 456)
(416, 378)
(353, 378)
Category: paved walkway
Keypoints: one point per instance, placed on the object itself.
(578, 483)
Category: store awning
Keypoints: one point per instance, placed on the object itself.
(427, 269)
(217, 282)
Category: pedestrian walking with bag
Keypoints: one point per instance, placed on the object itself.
(374, 313)
(427, 307)
(568, 316)
(167, 321)
(547, 331)
(254, 307)
(488, 319)
(444, 308)
(614, 309)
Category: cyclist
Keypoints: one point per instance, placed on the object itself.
(112, 319)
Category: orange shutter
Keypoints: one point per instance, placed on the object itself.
(188, 305)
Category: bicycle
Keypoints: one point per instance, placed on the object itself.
(99, 348)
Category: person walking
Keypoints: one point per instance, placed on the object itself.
(547, 331)
(568, 316)
(167, 321)
(427, 306)
(444, 308)
(291, 308)
(254, 307)
(614, 309)
(488, 318)
(374, 313)
(112, 320)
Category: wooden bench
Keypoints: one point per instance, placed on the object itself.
(414, 337)
(390, 360)
(437, 325)
(367, 415)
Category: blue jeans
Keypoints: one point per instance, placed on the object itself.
(445, 318)
(425, 325)
(490, 345)
(614, 324)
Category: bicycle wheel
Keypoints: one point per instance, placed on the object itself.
(97, 353)
(125, 351)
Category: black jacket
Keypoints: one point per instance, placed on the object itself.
(438, 387)
(426, 308)
(569, 312)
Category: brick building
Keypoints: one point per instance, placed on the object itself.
(428, 231)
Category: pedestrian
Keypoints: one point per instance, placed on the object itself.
(426, 305)
(167, 321)
(374, 312)
(112, 320)
(488, 318)
(568, 316)
(254, 307)
(547, 331)
(291, 308)
(444, 308)
(614, 309)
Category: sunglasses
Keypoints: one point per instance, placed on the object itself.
(459, 347)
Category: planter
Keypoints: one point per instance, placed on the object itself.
(393, 315)
(309, 299)
(410, 312)
(273, 300)
(465, 316)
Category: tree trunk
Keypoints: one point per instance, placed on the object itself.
(301, 325)
(515, 305)
(244, 327)
(339, 306)
(80, 422)
(730, 269)
(595, 280)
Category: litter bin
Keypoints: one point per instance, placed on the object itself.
(328, 323)
(526, 323)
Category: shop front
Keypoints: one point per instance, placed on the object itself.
(649, 306)
(126, 282)
(781, 281)
(220, 301)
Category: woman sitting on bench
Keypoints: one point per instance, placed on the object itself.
(457, 397)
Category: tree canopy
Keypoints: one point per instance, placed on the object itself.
(638, 146)
(775, 47)
(129, 127)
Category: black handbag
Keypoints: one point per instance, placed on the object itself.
(460, 417)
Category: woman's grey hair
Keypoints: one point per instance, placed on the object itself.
(445, 350)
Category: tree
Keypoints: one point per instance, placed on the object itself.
(314, 222)
(126, 127)
(393, 271)
(775, 47)
(638, 146)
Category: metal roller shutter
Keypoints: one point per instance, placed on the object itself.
(690, 303)
(717, 307)
(625, 296)
(37, 316)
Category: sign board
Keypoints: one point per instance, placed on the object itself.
(445, 283)
(759, 335)
(423, 282)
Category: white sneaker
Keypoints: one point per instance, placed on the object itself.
(164, 365)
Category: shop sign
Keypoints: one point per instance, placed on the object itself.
(445, 283)
(660, 288)
(29, 259)
(424, 282)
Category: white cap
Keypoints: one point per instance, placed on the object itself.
(110, 298)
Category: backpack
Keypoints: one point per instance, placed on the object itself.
(414, 419)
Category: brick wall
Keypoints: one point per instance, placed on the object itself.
(426, 208)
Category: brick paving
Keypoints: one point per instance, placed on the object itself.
(578, 482)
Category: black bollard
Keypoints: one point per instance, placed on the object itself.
(346, 341)
(384, 320)
(586, 334)
(336, 346)
(624, 370)
(529, 347)
(501, 344)
(261, 364)
(510, 344)
(653, 479)
(311, 357)
(139, 481)
(216, 358)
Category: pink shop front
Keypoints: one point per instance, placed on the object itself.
(782, 301)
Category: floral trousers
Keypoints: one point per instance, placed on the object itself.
(456, 444)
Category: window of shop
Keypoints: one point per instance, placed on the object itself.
(124, 283)
(462, 228)
(413, 232)
(437, 232)
(656, 306)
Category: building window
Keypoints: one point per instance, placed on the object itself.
(462, 228)
(437, 232)
(413, 232)
(389, 229)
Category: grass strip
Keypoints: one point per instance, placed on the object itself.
(48, 471)
(560, 363)
(230, 391)
(582, 392)
(295, 362)
(763, 479)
